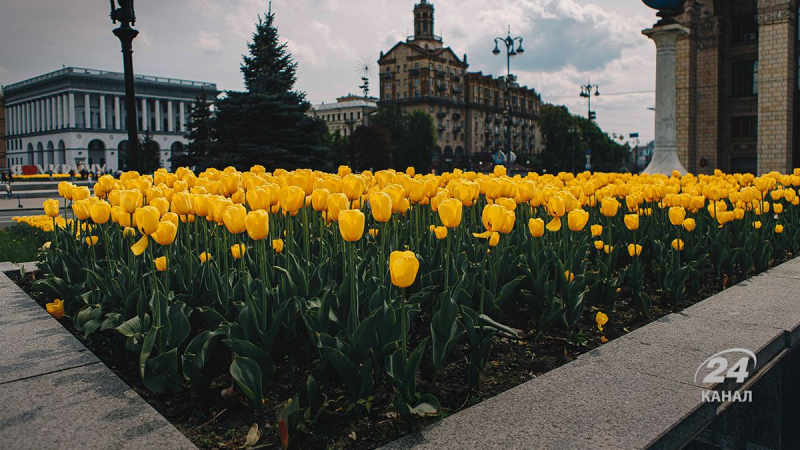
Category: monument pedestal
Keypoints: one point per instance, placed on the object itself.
(665, 155)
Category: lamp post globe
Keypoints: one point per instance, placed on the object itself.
(663, 4)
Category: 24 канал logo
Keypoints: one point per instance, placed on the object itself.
(725, 365)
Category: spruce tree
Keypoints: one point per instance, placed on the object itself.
(149, 153)
(199, 134)
(267, 124)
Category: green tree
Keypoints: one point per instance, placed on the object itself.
(267, 124)
(149, 153)
(338, 148)
(413, 137)
(369, 148)
(199, 133)
(565, 137)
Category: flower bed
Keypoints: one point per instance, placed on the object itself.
(321, 298)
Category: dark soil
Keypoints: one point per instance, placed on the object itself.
(212, 422)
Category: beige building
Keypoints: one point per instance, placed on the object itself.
(737, 86)
(468, 108)
(347, 114)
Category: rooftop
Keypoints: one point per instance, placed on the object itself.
(68, 71)
(346, 104)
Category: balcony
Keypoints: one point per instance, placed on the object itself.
(414, 72)
(458, 89)
(431, 37)
(456, 116)
(441, 128)
(457, 129)
(441, 114)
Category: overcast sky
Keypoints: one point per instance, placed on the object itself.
(566, 41)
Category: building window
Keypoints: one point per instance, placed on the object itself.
(744, 78)
(744, 128)
(744, 29)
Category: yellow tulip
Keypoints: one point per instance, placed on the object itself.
(291, 199)
(689, 224)
(147, 219)
(205, 257)
(100, 212)
(353, 186)
(677, 215)
(598, 245)
(56, 309)
(182, 204)
(632, 221)
(80, 193)
(65, 189)
(237, 251)
(373, 232)
(229, 184)
(161, 263)
(165, 233)
(778, 228)
(556, 207)
(634, 250)
(570, 277)
(140, 246)
(403, 267)
(380, 203)
(277, 245)
(609, 206)
(608, 248)
(440, 232)
(577, 219)
(351, 224)
(494, 217)
(80, 209)
(677, 244)
(597, 230)
(319, 199)
(257, 224)
(336, 203)
(777, 208)
(51, 207)
(128, 232)
(494, 239)
(91, 240)
(554, 225)
(536, 227)
(757, 224)
(450, 211)
(304, 179)
(234, 219)
(259, 198)
(601, 319)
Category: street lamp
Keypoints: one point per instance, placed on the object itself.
(513, 48)
(126, 17)
(586, 92)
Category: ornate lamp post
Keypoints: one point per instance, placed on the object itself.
(665, 34)
(126, 17)
(513, 48)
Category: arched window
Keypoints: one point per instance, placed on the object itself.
(97, 153)
(61, 154)
(123, 153)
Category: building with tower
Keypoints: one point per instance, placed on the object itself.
(421, 73)
(738, 86)
(75, 118)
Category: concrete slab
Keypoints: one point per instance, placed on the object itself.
(82, 408)
(674, 346)
(789, 269)
(33, 342)
(576, 406)
(765, 300)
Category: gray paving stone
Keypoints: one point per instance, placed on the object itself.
(577, 406)
(765, 300)
(33, 343)
(83, 408)
(674, 346)
(789, 269)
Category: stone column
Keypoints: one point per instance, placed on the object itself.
(665, 155)
(87, 111)
(182, 118)
(117, 117)
(64, 111)
(158, 115)
(144, 114)
(71, 110)
(57, 113)
(776, 85)
(102, 112)
(170, 117)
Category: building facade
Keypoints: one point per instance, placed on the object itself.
(74, 119)
(737, 86)
(468, 108)
(3, 162)
(347, 114)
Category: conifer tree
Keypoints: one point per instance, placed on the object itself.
(267, 124)
(199, 134)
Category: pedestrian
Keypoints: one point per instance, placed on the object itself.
(8, 189)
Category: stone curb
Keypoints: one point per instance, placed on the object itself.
(637, 391)
(56, 394)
